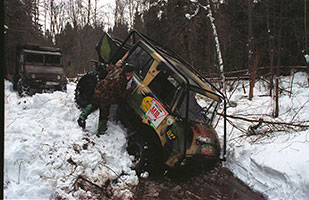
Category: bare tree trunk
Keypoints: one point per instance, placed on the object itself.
(305, 24)
(306, 39)
(253, 74)
(219, 54)
(52, 24)
(89, 10)
(73, 13)
(119, 12)
(95, 12)
(36, 11)
(130, 4)
(276, 110)
(271, 48)
(45, 17)
(250, 37)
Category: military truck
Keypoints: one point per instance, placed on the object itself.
(170, 114)
(38, 69)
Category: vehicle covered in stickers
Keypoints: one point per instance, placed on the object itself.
(38, 69)
(171, 112)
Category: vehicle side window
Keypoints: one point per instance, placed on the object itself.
(165, 87)
(201, 108)
(141, 61)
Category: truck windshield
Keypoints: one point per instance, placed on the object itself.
(202, 108)
(52, 60)
(141, 61)
(43, 59)
(34, 58)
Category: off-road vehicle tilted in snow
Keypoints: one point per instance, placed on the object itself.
(170, 113)
(38, 69)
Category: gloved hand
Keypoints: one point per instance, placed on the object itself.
(81, 122)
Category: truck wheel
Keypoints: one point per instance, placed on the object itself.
(147, 154)
(63, 88)
(23, 88)
(14, 80)
(85, 89)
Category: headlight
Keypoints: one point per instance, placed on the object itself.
(169, 121)
(33, 76)
(58, 77)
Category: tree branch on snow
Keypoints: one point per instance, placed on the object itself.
(95, 189)
(235, 126)
(299, 124)
(299, 110)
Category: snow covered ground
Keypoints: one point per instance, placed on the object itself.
(275, 164)
(46, 152)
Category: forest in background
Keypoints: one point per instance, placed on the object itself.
(268, 33)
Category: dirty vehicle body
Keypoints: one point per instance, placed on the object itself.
(170, 113)
(38, 69)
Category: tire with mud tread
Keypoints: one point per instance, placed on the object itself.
(193, 167)
(85, 89)
(147, 153)
(62, 88)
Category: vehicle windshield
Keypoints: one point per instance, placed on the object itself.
(52, 60)
(202, 108)
(43, 59)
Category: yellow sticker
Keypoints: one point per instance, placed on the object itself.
(170, 135)
(146, 103)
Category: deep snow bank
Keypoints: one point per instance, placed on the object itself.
(46, 151)
(275, 164)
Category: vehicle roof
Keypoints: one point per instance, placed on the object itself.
(42, 52)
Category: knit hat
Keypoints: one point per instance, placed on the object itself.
(126, 68)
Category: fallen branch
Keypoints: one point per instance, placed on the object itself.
(188, 192)
(267, 122)
(299, 110)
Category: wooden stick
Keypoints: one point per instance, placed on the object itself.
(266, 122)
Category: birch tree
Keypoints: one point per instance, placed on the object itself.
(208, 8)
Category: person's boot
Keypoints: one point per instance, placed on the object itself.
(83, 116)
(102, 127)
(81, 122)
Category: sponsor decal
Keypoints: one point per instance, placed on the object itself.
(170, 135)
(156, 113)
(206, 149)
(146, 103)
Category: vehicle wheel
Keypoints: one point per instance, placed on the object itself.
(23, 88)
(147, 154)
(62, 88)
(85, 88)
(192, 168)
(14, 80)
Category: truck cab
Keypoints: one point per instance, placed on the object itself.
(38, 69)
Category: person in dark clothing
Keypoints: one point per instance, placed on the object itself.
(111, 90)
